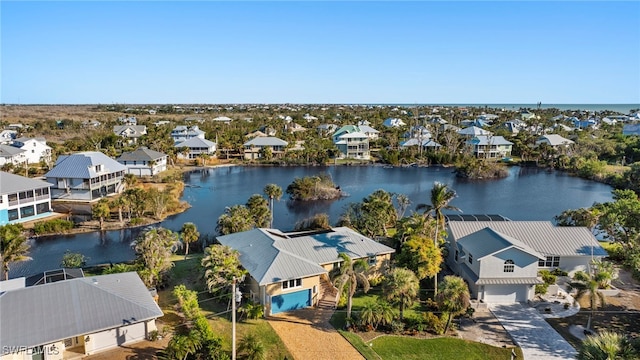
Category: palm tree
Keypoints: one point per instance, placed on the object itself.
(273, 191)
(454, 297)
(403, 204)
(235, 219)
(259, 209)
(13, 247)
(189, 233)
(441, 196)
(100, 210)
(401, 288)
(221, 264)
(607, 346)
(588, 284)
(351, 274)
(252, 348)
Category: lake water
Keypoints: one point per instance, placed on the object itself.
(526, 194)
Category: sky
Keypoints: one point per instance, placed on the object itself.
(214, 52)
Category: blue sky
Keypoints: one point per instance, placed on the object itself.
(90, 52)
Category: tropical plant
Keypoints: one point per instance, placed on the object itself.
(372, 216)
(235, 219)
(252, 348)
(421, 256)
(588, 285)
(221, 265)
(607, 345)
(453, 298)
(73, 260)
(13, 247)
(100, 211)
(315, 222)
(348, 276)
(401, 287)
(189, 233)
(154, 248)
(259, 210)
(273, 191)
(376, 313)
(440, 198)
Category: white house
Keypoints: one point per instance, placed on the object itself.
(554, 140)
(500, 260)
(352, 142)
(289, 271)
(130, 132)
(23, 199)
(36, 149)
(393, 122)
(473, 131)
(12, 155)
(6, 136)
(197, 146)
(253, 147)
(85, 176)
(143, 161)
(76, 317)
(489, 147)
(182, 133)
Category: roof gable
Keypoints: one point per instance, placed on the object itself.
(82, 165)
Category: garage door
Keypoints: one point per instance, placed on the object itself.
(291, 301)
(505, 294)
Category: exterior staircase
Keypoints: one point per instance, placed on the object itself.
(328, 294)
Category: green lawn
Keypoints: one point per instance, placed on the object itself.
(404, 348)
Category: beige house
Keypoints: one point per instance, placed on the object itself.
(290, 271)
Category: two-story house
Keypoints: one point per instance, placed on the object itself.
(352, 142)
(489, 147)
(85, 176)
(23, 199)
(130, 132)
(12, 155)
(182, 133)
(143, 161)
(253, 148)
(36, 149)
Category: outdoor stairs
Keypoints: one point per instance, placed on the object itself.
(328, 295)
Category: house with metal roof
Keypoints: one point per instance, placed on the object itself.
(10, 155)
(182, 133)
(253, 149)
(353, 142)
(130, 132)
(36, 149)
(473, 131)
(196, 147)
(631, 129)
(76, 317)
(554, 140)
(489, 147)
(290, 270)
(85, 176)
(143, 161)
(500, 259)
(23, 199)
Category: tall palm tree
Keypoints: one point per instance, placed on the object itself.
(189, 233)
(401, 288)
(350, 274)
(273, 191)
(441, 196)
(588, 285)
(101, 210)
(607, 346)
(13, 247)
(454, 297)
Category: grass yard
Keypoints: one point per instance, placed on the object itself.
(187, 272)
(404, 348)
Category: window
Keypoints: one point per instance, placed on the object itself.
(509, 266)
(456, 256)
(13, 214)
(550, 261)
(26, 211)
(293, 283)
(372, 260)
(470, 259)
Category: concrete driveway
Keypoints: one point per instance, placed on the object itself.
(532, 333)
(307, 334)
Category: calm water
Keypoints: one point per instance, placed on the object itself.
(527, 194)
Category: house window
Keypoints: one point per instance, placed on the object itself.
(26, 211)
(12, 214)
(456, 256)
(372, 260)
(470, 259)
(509, 266)
(550, 261)
(290, 284)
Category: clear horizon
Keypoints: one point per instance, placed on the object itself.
(264, 52)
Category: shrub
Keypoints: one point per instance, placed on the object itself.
(559, 272)
(55, 226)
(153, 335)
(136, 221)
(397, 326)
(376, 279)
(73, 260)
(548, 277)
(434, 323)
(542, 288)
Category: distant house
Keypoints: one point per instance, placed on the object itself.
(222, 119)
(500, 260)
(352, 142)
(128, 120)
(143, 161)
(181, 133)
(371, 133)
(6, 136)
(526, 115)
(256, 133)
(427, 144)
(23, 199)
(420, 132)
(554, 140)
(36, 149)
(294, 127)
(12, 155)
(76, 317)
(489, 147)
(473, 131)
(130, 132)
(289, 271)
(85, 176)
(254, 147)
(631, 130)
(197, 146)
(326, 129)
(393, 122)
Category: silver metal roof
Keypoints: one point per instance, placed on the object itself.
(8, 150)
(11, 183)
(266, 141)
(542, 236)
(141, 154)
(509, 281)
(474, 130)
(487, 241)
(272, 256)
(44, 314)
(196, 142)
(82, 165)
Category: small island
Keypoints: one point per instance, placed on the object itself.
(310, 188)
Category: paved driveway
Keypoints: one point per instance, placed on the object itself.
(307, 334)
(532, 333)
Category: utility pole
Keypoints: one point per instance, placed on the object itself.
(233, 320)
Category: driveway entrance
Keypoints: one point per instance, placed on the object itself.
(532, 333)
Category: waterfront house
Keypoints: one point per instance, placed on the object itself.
(143, 161)
(130, 132)
(85, 176)
(288, 271)
(254, 148)
(182, 133)
(554, 140)
(371, 133)
(500, 259)
(489, 147)
(12, 155)
(353, 145)
(36, 149)
(427, 144)
(23, 199)
(75, 317)
(197, 146)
